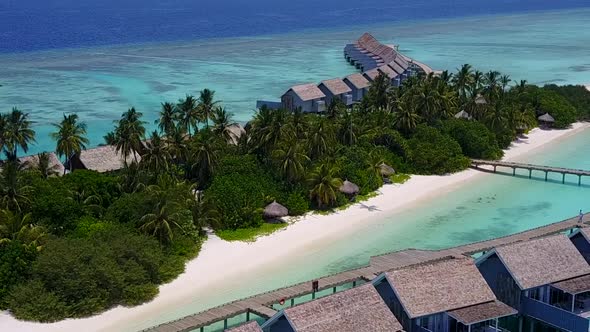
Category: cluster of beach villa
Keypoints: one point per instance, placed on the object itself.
(542, 284)
(366, 54)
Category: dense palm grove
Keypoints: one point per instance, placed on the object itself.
(77, 244)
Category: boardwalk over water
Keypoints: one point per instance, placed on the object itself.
(261, 304)
(476, 163)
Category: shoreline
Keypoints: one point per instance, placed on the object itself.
(239, 258)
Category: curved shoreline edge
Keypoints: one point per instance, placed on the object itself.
(235, 259)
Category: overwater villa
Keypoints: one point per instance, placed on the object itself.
(247, 327)
(359, 309)
(547, 280)
(366, 54)
(102, 159)
(581, 239)
(448, 295)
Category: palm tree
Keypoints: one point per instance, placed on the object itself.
(348, 131)
(17, 226)
(205, 155)
(291, 159)
(14, 192)
(44, 166)
(167, 120)
(321, 137)
(378, 92)
(324, 185)
(70, 137)
(177, 145)
(207, 103)
(110, 138)
(129, 134)
(17, 132)
(427, 100)
(156, 157)
(160, 222)
(222, 124)
(405, 119)
(463, 79)
(204, 212)
(188, 113)
(504, 81)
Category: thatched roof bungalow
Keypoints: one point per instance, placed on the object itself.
(546, 120)
(275, 210)
(463, 115)
(246, 327)
(54, 163)
(386, 170)
(450, 290)
(102, 159)
(349, 188)
(336, 89)
(359, 309)
(358, 84)
(542, 278)
(308, 97)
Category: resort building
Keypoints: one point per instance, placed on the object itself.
(336, 89)
(307, 97)
(581, 240)
(359, 309)
(54, 164)
(102, 159)
(359, 86)
(251, 326)
(448, 295)
(547, 280)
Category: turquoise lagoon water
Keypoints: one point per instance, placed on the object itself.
(100, 83)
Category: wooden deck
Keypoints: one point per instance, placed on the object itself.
(477, 163)
(261, 304)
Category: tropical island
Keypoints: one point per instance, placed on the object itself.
(78, 242)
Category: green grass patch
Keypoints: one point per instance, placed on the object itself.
(250, 234)
(399, 178)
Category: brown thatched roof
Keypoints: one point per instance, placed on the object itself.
(397, 68)
(372, 74)
(543, 261)
(275, 210)
(463, 115)
(349, 188)
(33, 161)
(546, 118)
(439, 286)
(482, 312)
(246, 327)
(105, 159)
(386, 170)
(387, 71)
(307, 91)
(574, 286)
(360, 309)
(358, 81)
(336, 86)
(480, 100)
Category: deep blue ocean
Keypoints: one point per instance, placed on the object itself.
(28, 25)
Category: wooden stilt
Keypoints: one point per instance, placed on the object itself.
(579, 180)
(530, 173)
(248, 316)
(513, 171)
(546, 175)
(563, 178)
(225, 324)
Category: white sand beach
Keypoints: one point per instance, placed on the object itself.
(238, 258)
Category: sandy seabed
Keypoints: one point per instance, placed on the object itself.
(238, 258)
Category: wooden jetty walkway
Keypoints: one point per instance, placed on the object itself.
(476, 163)
(261, 304)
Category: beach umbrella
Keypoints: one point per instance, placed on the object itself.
(275, 210)
(386, 170)
(463, 115)
(349, 188)
(546, 118)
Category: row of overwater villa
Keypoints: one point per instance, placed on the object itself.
(366, 54)
(541, 284)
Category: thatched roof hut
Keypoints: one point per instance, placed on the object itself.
(463, 115)
(247, 327)
(307, 92)
(275, 210)
(480, 100)
(102, 159)
(547, 118)
(33, 162)
(386, 170)
(349, 188)
(359, 309)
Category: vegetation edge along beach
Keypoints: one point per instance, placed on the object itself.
(84, 242)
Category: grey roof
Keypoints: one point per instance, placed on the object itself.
(546, 118)
(439, 286)
(463, 115)
(336, 86)
(482, 312)
(105, 158)
(349, 188)
(479, 99)
(543, 261)
(359, 309)
(398, 69)
(275, 210)
(371, 74)
(54, 163)
(386, 170)
(247, 327)
(358, 81)
(385, 69)
(574, 286)
(307, 92)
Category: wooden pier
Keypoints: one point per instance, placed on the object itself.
(477, 163)
(261, 304)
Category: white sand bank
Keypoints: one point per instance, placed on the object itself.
(234, 259)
